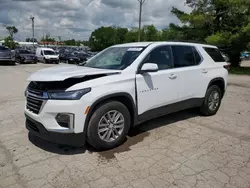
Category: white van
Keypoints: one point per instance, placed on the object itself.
(47, 55)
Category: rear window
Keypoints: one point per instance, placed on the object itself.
(215, 54)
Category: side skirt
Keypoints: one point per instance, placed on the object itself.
(168, 109)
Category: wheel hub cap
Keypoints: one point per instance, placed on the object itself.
(111, 126)
(213, 100)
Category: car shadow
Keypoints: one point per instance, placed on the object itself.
(136, 135)
(8, 63)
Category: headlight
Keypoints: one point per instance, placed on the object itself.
(68, 95)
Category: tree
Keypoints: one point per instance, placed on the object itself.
(150, 33)
(31, 40)
(132, 35)
(72, 42)
(10, 43)
(47, 38)
(224, 23)
(104, 37)
(121, 35)
(12, 30)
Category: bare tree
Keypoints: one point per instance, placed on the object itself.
(139, 32)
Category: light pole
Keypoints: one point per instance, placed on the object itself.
(33, 30)
(139, 33)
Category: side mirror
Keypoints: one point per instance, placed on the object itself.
(149, 67)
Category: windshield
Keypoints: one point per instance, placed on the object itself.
(49, 52)
(117, 58)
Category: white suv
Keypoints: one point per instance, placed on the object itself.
(121, 87)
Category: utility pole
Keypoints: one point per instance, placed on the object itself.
(33, 30)
(139, 33)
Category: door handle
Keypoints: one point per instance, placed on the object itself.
(172, 76)
(204, 71)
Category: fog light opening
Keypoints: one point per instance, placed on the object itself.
(65, 120)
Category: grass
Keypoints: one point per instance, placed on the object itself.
(240, 70)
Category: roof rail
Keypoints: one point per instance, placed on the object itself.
(190, 41)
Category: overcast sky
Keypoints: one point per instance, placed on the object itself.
(78, 18)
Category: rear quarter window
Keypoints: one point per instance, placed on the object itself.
(215, 54)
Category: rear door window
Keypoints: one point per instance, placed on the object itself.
(215, 54)
(185, 56)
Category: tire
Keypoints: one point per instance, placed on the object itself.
(205, 108)
(93, 135)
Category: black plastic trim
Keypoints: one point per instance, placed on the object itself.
(218, 79)
(171, 108)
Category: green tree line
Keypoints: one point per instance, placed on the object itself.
(224, 23)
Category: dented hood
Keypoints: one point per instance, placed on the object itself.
(60, 73)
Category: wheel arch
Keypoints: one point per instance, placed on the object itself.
(220, 82)
(122, 97)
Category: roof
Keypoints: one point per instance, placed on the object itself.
(144, 44)
(134, 44)
(45, 48)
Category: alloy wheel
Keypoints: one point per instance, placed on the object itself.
(213, 100)
(111, 126)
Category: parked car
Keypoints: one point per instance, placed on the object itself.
(245, 55)
(25, 56)
(47, 55)
(82, 56)
(63, 56)
(6, 56)
(121, 87)
(69, 58)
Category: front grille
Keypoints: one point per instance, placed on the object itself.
(34, 100)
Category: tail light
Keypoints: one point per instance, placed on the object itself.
(227, 67)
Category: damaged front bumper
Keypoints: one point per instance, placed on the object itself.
(71, 139)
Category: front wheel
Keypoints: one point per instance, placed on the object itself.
(108, 125)
(212, 101)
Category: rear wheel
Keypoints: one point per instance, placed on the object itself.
(108, 126)
(212, 101)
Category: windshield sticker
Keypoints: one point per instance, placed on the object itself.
(135, 49)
